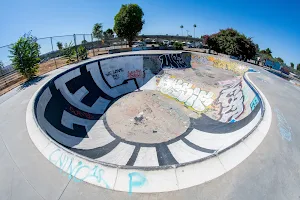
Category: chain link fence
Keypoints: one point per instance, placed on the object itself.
(55, 52)
(58, 51)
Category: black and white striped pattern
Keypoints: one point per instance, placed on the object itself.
(71, 109)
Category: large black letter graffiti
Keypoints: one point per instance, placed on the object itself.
(232, 102)
(172, 61)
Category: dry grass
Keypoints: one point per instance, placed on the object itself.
(43, 69)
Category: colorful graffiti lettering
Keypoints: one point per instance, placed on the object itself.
(114, 73)
(136, 180)
(135, 74)
(232, 102)
(210, 58)
(172, 61)
(199, 59)
(254, 103)
(79, 113)
(284, 128)
(185, 92)
(77, 169)
(231, 66)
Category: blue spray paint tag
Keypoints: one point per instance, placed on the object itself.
(251, 70)
(284, 128)
(136, 180)
(254, 103)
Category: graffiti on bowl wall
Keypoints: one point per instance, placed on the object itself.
(185, 92)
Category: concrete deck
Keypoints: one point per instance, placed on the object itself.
(270, 172)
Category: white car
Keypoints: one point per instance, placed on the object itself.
(139, 44)
(166, 42)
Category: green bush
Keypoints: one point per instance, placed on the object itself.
(25, 55)
(69, 52)
(59, 45)
(178, 45)
(82, 52)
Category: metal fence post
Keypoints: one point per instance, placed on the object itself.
(76, 47)
(52, 51)
(93, 44)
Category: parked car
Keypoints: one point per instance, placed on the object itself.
(166, 42)
(139, 44)
(148, 41)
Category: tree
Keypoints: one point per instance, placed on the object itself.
(204, 39)
(178, 45)
(97, 31)
(231, 42)
(267, 51)
(298, 67)
(25, 55)
(108, 34)
(69, 52)
(129, 22)
(59, 45)
(280, 60)
(181, 30)
(84, 41)
(82, 52)
(194, 29)
(292, 65)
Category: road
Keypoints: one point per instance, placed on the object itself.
(270, 172)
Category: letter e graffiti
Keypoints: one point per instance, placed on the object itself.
(136, 180)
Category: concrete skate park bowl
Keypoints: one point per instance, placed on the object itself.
(149, 122)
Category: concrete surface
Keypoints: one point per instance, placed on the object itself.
(270, 172)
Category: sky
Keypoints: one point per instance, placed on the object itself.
(272, 24)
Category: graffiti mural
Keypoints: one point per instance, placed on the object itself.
(114, 73)
(172, 61)
(135, 74)
(199, 59)
(187, 93)
(229, 65)
(231, 100)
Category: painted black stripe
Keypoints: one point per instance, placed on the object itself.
(164, 155)
(209, 125)
(102, 75)
(134, 155)
(97, 152)
(196, 147)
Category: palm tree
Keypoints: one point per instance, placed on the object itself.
(194, 29)
(181, 30)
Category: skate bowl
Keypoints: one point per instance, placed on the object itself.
(149, 122)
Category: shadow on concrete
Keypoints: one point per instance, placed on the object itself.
(31, 82)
